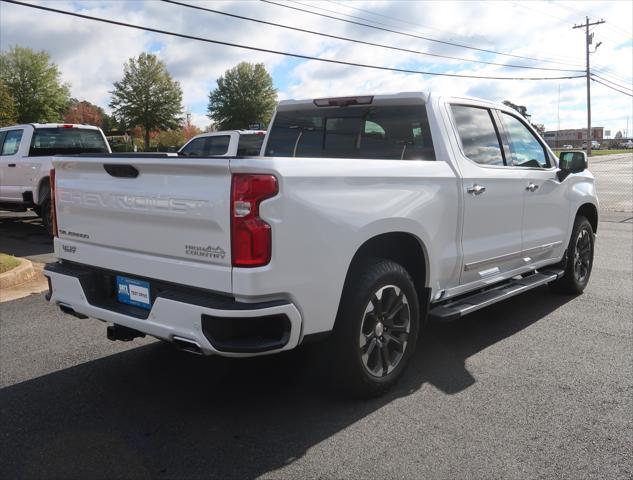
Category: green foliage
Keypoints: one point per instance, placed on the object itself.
(170, 139)
(8, 115)
(35, 85)
(147, 96)
(245, 94)
(108, 123)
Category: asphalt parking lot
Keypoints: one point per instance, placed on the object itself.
(540, 386)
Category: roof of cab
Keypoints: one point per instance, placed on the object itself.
(51, 125)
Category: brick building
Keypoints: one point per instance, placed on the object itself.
(574, 137)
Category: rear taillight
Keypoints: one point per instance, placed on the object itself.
(251, 237)
(53, 209)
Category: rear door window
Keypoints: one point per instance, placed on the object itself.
(478, 135)
(376, 132)
(66, 141)
(11, 143)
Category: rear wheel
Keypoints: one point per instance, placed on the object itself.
(45, 213)
(376, 329)
(579, 259)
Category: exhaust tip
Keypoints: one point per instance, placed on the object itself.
(187, 345)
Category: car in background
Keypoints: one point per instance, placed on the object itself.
(26, 152)
(594, 145)
(627, 144)
(567, 147)
(228, 143)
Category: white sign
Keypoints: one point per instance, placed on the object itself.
(139, 294)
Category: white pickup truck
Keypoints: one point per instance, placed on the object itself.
(25, 161)
(364, 218)
(226, 143)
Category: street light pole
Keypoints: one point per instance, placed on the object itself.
(588, 40)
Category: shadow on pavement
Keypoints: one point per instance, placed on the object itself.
(23, 235)
(153, 412)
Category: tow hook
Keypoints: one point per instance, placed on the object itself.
(125, 334)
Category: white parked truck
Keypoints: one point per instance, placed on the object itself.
(365, 218)
(226, 143)
(25, 161)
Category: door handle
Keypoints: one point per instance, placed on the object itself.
(12, 165)
(532, 187)
(476, 189)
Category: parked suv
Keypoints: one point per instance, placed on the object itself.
(26, 160)
(365, 218)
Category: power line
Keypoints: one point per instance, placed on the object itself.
(410, 34)
(604, 70)
(609, 73)
(384, 16)
(277, 52)
(612, 88)
(612, 82)
(363, 42)
(369, 12)
(625, 32)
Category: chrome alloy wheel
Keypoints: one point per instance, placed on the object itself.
(582, 256)
(384, 331)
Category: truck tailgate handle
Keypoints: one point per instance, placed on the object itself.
(12, 165)
(121, 170)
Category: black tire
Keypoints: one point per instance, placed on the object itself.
(579, 259)
(394, 335)
(45, 213)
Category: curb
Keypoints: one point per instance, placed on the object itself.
(18, 275)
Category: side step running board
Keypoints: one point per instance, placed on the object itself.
(454, 309)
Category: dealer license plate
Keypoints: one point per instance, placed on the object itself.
(133, 292)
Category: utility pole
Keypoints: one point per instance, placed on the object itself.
(588, 41)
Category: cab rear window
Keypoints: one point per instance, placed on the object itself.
(374, 132)
(250, 144)
(66, 141)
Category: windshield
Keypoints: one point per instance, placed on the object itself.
(57, 141)
(389, 132)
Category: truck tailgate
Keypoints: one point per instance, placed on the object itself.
(165, 218)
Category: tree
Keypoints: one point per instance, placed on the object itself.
(170, 139)
(84, 112)
(245, 95)
(147, 96)
(108, 123)
(519, 108)
(8, 115)
(618, 135)
(35, 84)
(189, 130)
(539, 127)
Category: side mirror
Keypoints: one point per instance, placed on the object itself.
(573, 162)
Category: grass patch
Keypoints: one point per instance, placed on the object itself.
(7, 262)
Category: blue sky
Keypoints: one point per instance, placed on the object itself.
(91, 55)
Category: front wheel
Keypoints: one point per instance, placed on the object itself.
(376, 329)
(579, 258)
